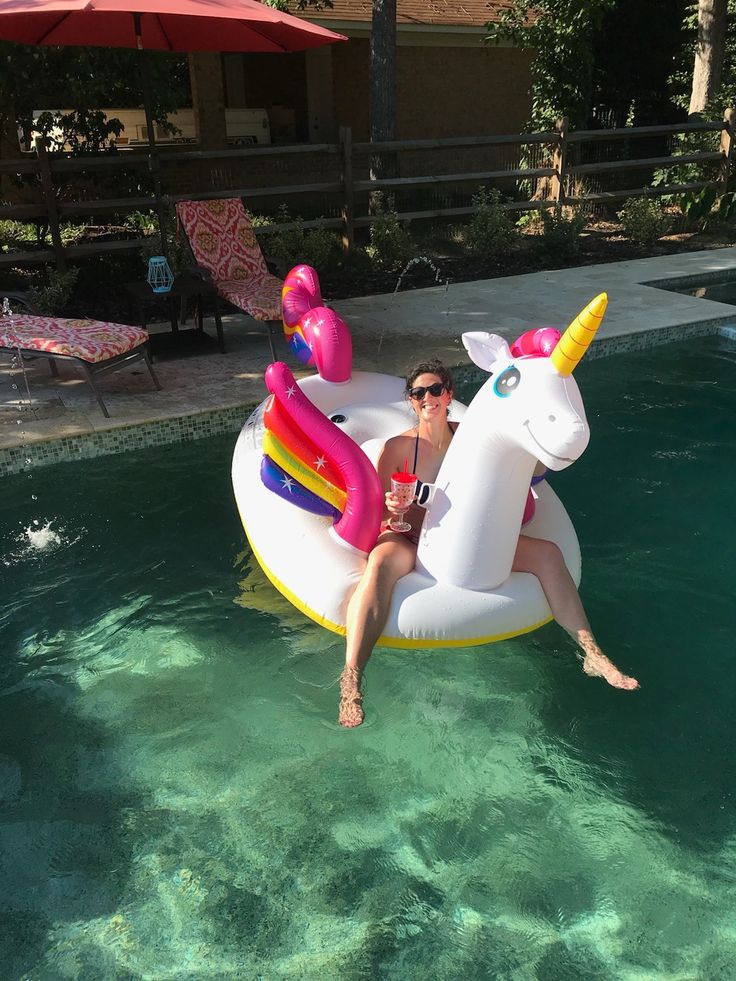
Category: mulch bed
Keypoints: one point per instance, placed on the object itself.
(602, 242)
(99, 293)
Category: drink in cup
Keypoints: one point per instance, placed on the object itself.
(404, 486)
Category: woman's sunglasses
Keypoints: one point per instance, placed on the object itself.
(434, 390)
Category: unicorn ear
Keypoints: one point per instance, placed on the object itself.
(486, 349)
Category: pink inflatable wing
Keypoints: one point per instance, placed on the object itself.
(300, 293)
(360, 522)
(329, 340)
(317, 335)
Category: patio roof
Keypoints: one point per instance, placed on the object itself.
(430, 13)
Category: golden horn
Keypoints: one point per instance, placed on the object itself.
(576, 340)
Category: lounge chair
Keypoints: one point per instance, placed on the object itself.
(224, 245)
(95, 346)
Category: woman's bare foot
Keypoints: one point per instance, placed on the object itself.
(350, 713)
(597, 665)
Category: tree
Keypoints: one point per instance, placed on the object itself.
(562, 33)
(710, 51)
(681, 78)
(82, 80)
(383, 84)
(630, 74)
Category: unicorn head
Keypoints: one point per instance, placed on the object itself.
(534, 401)
(529, 409)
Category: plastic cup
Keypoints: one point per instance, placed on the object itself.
(404, 486)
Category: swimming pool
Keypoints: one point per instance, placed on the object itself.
(722, 290)
(178, 801)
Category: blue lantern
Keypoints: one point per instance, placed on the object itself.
(160, 277)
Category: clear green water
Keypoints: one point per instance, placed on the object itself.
(176, 800)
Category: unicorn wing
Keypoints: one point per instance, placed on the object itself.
(316, 334)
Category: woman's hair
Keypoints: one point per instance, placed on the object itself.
(432, 367)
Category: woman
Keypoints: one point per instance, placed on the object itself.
(429, 389)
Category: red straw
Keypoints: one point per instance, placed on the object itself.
(406, 465)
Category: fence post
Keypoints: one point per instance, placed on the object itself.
(49, 195)
(559, 160)
(348, 201)
(727, 135)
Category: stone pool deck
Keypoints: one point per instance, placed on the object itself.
(211, 392)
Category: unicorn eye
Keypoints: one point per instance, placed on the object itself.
(507, 382)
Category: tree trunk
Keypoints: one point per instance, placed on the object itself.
(208, 99)
(709, 52)
(383, 85)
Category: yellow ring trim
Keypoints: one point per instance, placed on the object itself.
(400, 643)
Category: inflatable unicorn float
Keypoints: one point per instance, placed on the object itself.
(311, 502)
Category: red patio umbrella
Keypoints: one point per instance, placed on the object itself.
(159, 25)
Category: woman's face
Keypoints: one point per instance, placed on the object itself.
(429, 406)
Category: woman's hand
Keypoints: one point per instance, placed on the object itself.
(392, 504)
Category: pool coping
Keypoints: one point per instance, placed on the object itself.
(190, 426)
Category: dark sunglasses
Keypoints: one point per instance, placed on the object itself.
(420, 391)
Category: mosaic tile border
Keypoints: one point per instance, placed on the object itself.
(198, 425)
(88, 446)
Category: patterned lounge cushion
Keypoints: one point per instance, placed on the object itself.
(90, 340)
(222, 239)
(261, 299)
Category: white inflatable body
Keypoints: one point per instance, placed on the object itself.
(315, 442)
(318, 573)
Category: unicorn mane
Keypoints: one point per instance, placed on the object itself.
(310, 462)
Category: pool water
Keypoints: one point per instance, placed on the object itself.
(177, 800)
(722, 292)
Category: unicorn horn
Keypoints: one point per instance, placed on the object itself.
(575, 341)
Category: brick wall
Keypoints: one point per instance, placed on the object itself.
(476, 91)
(442, 91)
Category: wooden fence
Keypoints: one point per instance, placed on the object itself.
(560, 162)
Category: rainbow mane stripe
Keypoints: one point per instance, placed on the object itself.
(309, 462)
(321, 488)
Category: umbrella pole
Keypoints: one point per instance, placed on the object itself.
(154, 164)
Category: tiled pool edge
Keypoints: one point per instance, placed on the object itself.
(217, 422)
(136, 436)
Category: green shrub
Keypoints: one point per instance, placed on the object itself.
(354, 265)
(143, 222)
(390, 244)
(49, 296)
(706, 207)
(71, 232)
(644, 220)
(561, 228)
(490, 232)
(16, 232)
(322, 248)
(177, 250)
(317, 247)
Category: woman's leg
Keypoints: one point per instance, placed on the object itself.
(392, 558)
(544, 560)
